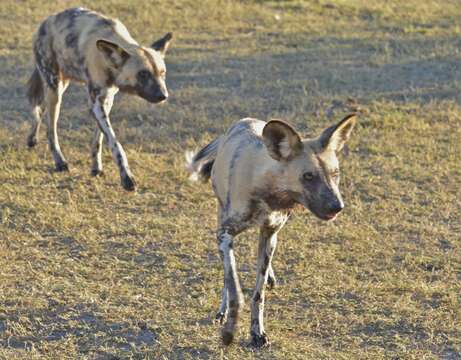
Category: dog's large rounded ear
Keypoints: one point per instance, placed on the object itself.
(336, 136)
(282, 140)
(113, 52)
(161, 45)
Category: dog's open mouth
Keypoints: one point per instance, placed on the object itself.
(331, 216)
(328, 217)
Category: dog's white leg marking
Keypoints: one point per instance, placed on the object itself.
(96, 152)
(266, 249)
(271, 280)
(32, 138)
(54, 97)
(267, 241)
(222, 313)
(232, 285)
(221, 316)
(101, 108)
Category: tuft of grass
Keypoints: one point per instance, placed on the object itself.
(89, 271)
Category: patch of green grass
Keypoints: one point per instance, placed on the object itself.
(89, 271)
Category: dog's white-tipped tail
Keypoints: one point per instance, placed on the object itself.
(191, 166)
(200, 163)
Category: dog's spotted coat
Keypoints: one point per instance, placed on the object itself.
(82, 45)
(260, 172)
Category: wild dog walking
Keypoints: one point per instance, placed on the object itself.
(83, 45)
(259, 172)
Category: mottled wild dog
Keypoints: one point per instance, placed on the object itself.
(83, 45)
(259, 172)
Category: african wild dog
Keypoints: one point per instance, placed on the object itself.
(83, 45)
(259, 172)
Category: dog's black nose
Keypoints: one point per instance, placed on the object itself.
(161, 97)
(336, 207)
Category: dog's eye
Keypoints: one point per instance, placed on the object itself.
(143, 75)
(308, 176)
(162, 73)
(335, 173)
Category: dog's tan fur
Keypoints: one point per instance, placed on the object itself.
(82, 45)
(260, 172)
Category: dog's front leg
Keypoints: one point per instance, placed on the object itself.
(266, 248)
(231, 284)
(101, 104)
(221, 316)
(96, 153)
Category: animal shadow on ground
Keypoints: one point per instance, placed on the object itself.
(81, 322)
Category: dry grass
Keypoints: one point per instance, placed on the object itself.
(88, 271)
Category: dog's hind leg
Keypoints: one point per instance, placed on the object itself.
(35, 93)
(53, 101)
(32, 138)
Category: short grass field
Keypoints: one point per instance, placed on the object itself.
(90, 271)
